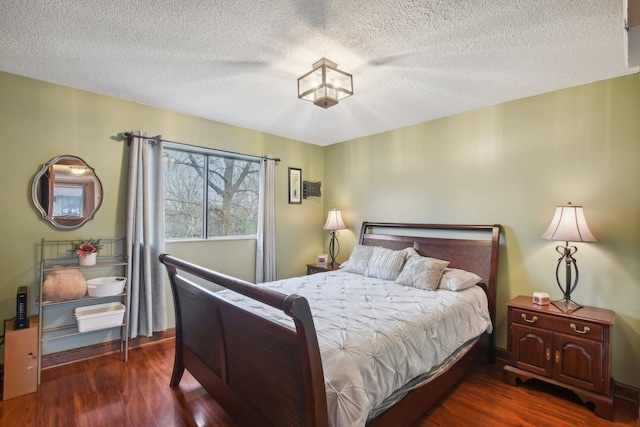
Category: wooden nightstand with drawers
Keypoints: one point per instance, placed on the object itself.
(313, 268)
(571, 350)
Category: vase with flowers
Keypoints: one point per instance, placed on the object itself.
(87, 250)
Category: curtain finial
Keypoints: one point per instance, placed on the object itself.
(129, 136)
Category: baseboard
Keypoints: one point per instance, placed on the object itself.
(624, 396)
(91, 351)
(501, 354)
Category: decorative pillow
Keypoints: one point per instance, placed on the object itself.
(385, 263)
(63, 285)
(455, 279)
(358, 260)
(410, 252)
(422, 272)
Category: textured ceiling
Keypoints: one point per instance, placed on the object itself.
(238, 62)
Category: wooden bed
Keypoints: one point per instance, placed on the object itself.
(266, 374)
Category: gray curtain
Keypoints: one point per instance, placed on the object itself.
(145, 238)
(266, 241)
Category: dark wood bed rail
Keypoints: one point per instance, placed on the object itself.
(262, 372)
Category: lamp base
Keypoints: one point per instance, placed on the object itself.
(566, 305)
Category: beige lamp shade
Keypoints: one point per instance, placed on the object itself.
(569, 225)
(334, 221)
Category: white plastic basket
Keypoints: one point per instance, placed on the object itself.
(106, 286)
(99, 316)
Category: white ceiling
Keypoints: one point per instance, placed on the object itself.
(238, 61)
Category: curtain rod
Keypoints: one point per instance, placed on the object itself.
(131, 135)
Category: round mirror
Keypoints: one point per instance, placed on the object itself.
(67, 192)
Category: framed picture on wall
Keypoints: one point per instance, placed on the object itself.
(295, 185)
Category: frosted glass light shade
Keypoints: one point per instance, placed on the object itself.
(325, 85)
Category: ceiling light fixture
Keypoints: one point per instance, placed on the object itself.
(325, 85)
(77, 170)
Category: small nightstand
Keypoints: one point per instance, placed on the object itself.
(570, 350)
(313, 269)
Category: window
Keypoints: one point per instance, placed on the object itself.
(209, 194)
(68, 200)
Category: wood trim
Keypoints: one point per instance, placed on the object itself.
(501, 354)
(624, 396)
(96, 350)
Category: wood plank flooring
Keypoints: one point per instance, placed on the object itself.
(106, 391)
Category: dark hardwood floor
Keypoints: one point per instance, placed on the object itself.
(106, 391)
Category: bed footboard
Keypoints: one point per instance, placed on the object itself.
(259, 371)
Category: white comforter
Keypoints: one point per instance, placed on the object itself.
(375, 335)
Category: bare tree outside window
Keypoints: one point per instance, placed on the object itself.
(232, 191)
(233, 199)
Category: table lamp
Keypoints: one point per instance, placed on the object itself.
(334, 223)
(569, 225)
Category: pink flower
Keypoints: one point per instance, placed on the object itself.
(86, 246)
(85, 249)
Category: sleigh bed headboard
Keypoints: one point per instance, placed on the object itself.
(478, 255)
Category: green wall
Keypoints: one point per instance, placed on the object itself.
(511, 164)
(39, 121)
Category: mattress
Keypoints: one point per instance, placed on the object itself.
(376, 336)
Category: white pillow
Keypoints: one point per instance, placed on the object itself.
(455, 279)
(385, 263)
(422, 272)
(358, 260)
(410, 252)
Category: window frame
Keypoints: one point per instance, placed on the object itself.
(211, 152)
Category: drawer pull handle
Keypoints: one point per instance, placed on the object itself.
(548, 352)
(533, 319)
(583, 331)
(557, 356)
